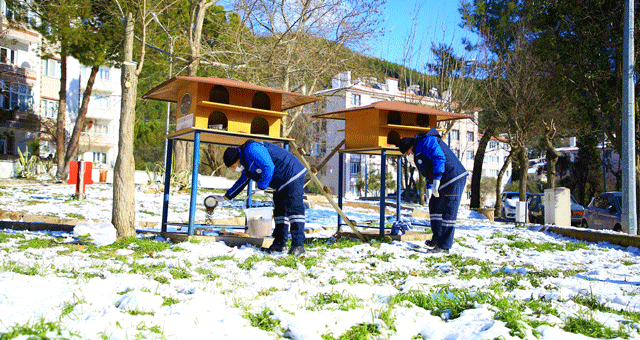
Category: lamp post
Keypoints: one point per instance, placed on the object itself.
(166, 129)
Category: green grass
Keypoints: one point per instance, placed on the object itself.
(37, 243)
(357, 332)
(587, 325)
(263, 320)
(450, 302)
(5, 237)
(14, 267)
(40, 329)
(334, 300)
(168, 301)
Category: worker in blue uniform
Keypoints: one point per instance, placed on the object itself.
(271, 166)
(446, 179)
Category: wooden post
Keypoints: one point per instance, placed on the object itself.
(315, 179)
(80, 182)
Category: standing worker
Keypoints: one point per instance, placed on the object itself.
(272, 166)
(446, 179)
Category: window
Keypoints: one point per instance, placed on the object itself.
(455, 135)
(103, 74)
(7, 56)
(355, 99)
(491, 159)
(355, 168)
(99, 101)
(15, 94)
(493, 144)
(99, 158)
(469, 136)
(100, 128)
(49, 108)
(469, 155)
(52, 68)
(456, 152)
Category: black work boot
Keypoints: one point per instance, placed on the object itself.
(438, 250)
(275, 248)
(296, 251)
(431, 243)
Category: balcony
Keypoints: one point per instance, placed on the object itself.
(20, 121)
(103, 114)
(92, 139)
(26, 72)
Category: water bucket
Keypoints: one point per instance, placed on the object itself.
(259, 221)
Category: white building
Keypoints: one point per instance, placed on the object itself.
(347, 93)
(495, 154)
(33, 84)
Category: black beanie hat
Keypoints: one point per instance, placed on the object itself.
(231, 155)
(405, 144)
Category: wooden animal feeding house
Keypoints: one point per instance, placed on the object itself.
(226, 105)
(379, 126)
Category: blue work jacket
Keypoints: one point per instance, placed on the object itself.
(435, 160)
(268, 165)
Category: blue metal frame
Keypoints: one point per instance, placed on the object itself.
(383, 189)
(194, 181)
(340, 183)
(383, 170)
(399, 189)
(167, 187)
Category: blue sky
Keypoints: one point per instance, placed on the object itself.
(432, 21)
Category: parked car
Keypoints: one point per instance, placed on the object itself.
(536, 210)
(604, 212)
(509, 199)
(408, 195)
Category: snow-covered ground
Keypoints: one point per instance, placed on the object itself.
(499, 281)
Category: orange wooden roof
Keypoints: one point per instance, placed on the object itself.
(168, 90)
(396, 106)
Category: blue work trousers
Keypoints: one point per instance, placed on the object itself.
(288, 213)
(443, 211)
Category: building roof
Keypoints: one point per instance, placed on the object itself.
(168, 90)
(396, 106)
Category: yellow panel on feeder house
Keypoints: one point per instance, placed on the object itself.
(382, 124)
(226, 104)
(358, 128)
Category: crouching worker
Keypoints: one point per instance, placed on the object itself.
(446, 179)
(272, 166)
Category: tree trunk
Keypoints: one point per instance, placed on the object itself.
(72, 147)
(197, 12)
(123, 215)
(498, 206)
(524, 165)
(478, 161)
(60, 122)
(552, 160)
(552, 154)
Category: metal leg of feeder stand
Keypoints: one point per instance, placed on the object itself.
(399, 188)
(167, 186)
(340, 184)
(194, 181)
(383, 171)
(248, 203)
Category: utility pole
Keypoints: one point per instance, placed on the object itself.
(629, 212)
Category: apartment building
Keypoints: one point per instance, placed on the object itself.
(30, 99)
(346, 92)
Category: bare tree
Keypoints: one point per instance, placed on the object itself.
(296, 45)
(137, 15)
